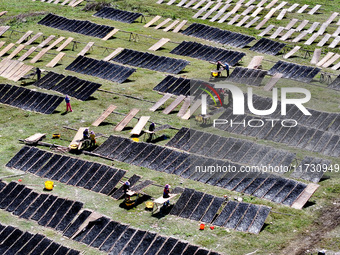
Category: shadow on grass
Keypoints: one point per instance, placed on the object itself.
(158, 139)
(160, 109)
(65, 112)
(128, 81)
(163, 211)
(220, 78)
(76, 152)
(174, 112)
(56, 112)
(183, 72)
(91, 148)
(105, 123)
(324, 178)
(309, 204)
(135, 202)
(91, 98)
(127, 128)
(265, 225)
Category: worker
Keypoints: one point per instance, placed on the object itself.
(151, 131)
(126, 188)
(68, 104)
(92, 139)
(219, 66)
(152, 127)
(166, 194)
(38, 72)
(226, 67)
(86, 137)
(86, 134)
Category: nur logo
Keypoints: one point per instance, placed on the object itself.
(204, 98)
(237, 99)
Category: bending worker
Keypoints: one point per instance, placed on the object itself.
(224, 66)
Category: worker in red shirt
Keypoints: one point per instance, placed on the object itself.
(68, 104)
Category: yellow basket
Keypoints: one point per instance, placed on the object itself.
(130, 203)
(49, 185)
(149, 204)
(74, 146)
(215, 73)
(199, 118)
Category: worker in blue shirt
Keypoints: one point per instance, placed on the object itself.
(224, 66)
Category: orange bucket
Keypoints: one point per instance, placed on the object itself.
(202, 226)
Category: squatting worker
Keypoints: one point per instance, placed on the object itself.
(126, 187)
(152, 127)
(93, 139)
(86, 134)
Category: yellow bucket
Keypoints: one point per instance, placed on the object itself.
(49, 185)
(135, 139)
(149, 205)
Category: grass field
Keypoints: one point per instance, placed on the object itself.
(282, 229)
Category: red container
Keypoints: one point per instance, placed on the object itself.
(202, 227)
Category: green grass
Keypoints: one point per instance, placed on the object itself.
(18, 124)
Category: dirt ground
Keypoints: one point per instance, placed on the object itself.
(307, 243)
